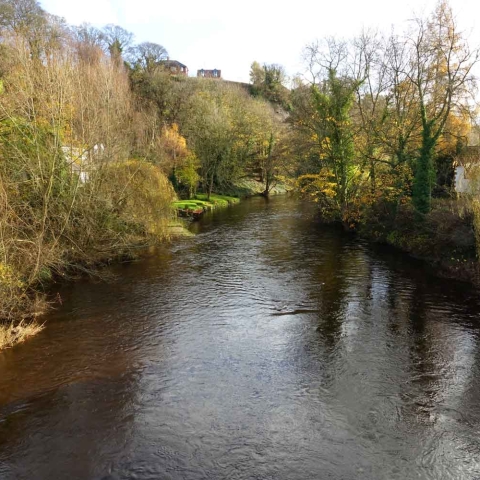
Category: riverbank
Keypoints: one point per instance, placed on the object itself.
(444, 238)
(201, 203)
(30, 304)
(11, 335)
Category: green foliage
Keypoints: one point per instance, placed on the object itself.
(187, 174)
(269, 82)
(324, 117)
(423, 180)
(333, 106)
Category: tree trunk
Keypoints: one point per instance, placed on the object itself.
(373, 179)
(266, 192)
(210, 188)
(422, 184)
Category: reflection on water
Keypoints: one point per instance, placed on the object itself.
(266, 347)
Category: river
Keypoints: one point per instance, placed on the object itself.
(265, 347)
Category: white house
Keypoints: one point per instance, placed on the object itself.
(80, 160)
(467, 171)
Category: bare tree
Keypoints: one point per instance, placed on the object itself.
(118, 40)
(89, 42)
(147, 55)
(21, 16)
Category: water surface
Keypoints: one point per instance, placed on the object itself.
(266, 347)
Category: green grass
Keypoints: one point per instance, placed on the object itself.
(200, 202)
(188, 205)
(218, 200)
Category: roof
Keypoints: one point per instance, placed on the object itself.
(173, 63)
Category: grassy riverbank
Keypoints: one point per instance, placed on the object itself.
(201, 203)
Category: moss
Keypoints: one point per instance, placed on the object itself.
(186, 205)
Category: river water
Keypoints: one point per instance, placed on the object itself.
(265, 347)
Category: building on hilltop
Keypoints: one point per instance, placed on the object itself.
(175, 67)
(209, 73)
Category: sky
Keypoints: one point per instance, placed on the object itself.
(231, 35)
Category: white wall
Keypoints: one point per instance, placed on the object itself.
(463, 184)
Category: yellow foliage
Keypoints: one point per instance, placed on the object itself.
(8, 279)
(457, 127)
(174, 147)
(318, 185)
(141, 193)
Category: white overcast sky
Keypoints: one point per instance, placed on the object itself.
(231, 35)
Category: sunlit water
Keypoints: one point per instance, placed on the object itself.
(266, 347)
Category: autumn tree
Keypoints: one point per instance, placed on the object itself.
(210, 132)
(268, 147)
(23, 17)
(70, 191)
(325, 113)
(27, 20)
(387, 118)
(400, 122)
(88, 42)
(257, 74)
(442, 77)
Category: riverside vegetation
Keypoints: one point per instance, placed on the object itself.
(380, 125)
(97, 139)
(100, 144)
